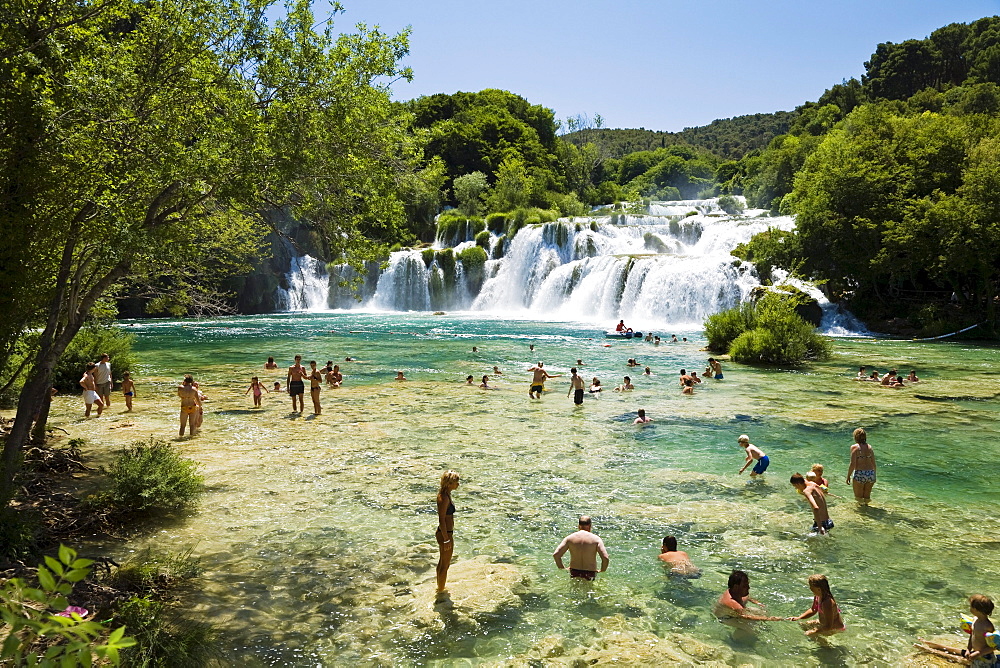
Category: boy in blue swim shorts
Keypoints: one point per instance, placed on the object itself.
(753, 453)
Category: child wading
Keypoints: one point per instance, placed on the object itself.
(753, 453)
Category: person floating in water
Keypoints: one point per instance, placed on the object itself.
(912, 377)
(647, 372)
(400, 376)
(861, 471)
(679, 562)
(733, 603)
(595, 385)
(817, 501)
(753, 453)
(485, 384)
(538, 378)
(576, 387)
(626, 385)
(497, 371)
(584, 548)
(470, 380)
(829, 621)
(270, 364)
(862, 373)
(642, 419)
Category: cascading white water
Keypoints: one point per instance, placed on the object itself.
(672, 266)
(308, 286)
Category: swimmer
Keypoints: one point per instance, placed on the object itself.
(595, 385)
(485, 384)
(861, 471)
(470, 380)
(584, 548)
(336, 376)
(862, 373)
(649, 337)
(642, 419)
(632, 362)
(753, 453)
(733, 603)
(714, 369)
(647, 372)
(270, 364)
(626, 385)
(912, 377)
(817, 470)
(817, 500)
(315, 386)
(497, 371)
(128, 390)
(679, 562)
(579, 363)
(688, 386)
(684, 377)
(874, 376)
(295, 382)
(656, 341)
(673, 338)
(889, 378)
(575, 387)
(532, 347)
(538, 377)
(190, 404)
(258, 391)
(400, 376)
(277, 386)
(694, 377)
(977, 652)
(830, 621)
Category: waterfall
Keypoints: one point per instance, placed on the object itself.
(671, 266)
(308, 286)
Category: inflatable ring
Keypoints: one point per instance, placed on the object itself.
(966, 623)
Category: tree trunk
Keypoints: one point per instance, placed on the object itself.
(38, 431)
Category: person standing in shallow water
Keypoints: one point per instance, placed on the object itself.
(315, 386)
(295, 383)
(445, 533)
(584, 548)
(576, 387)
(190, 405)
(861, 472)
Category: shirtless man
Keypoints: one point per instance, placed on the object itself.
(626, 385)
(576, 387)
(315, 385)
(497, 371)
(538, 377)
(583, 547)
(190, 404)
(295, 381)
(679, 562)
(733, 603)
(714, 369)
(817, 500)
(89, 385)
(889, 378)
(642, 419)
(684, 377)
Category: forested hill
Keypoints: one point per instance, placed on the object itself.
(729, 138)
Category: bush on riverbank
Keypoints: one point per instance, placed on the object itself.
(162, 637)
(87, 346)
(766, 332)
(149, 477)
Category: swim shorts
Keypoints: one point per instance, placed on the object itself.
(718, 376)
(761, 465)
(296, 387)
(537, 388)
(864, 476)
(582, 574)
(578, 397)
(827, 525)
(90, 397)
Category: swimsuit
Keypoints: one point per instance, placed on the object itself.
(537, 388)
(986, 661)
(578, 397)
(864, 476)
(296, 387)
(189, 410)
(256, 391)
(128, 394)
(761, 465)
(815, 608)
(827, 525)
(582, 574)
(718, 376)
(90, 397)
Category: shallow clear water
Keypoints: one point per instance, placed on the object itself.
(315, 528)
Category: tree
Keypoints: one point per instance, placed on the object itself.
(469, 190)
(138, 134)
(513, 187)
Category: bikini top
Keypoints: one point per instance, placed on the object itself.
(451, 508)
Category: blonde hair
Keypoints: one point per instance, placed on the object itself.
(743, 439)
(812, 476)
(860, 436)
(448, 478)
(817, 469)
(821, 583)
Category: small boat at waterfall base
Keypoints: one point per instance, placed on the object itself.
(612, 334)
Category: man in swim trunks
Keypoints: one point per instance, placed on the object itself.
(315, 385)
(753, 453)
(90, 395)
(295, 380)
(817, 500)
(583, 547)
(714, 369)
(576, 387)
(538, 377)
(190, 404)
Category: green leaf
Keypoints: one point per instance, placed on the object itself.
(54, 565)
(66, 554)
(46, 580)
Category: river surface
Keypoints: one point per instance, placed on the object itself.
(311, 525)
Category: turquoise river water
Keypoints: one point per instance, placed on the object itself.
(316, 532)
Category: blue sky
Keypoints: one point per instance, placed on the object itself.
(662, 65)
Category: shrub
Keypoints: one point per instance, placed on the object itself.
(148, 478)
(496, 222)
(473, 260)
(730, 205)
(723, 327)
(87, 346)
(768, 332)
(19, 530)
(454, 227)
(163, 638)
(428, 255)
(146, 573)
(483, 239)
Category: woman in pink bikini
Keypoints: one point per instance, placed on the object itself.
(830, 621)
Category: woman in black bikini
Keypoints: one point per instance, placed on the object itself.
(446, 526)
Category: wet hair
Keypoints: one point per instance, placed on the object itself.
(711, 359)
(743, 439)
(573, 370)
(642, 412)
(821, 583)
(126, 374)
(648, 369)
(254, 380)
(670, 543)
(860, 435)
(91, 366)
(983, 604)
(336, 367)
(817, 469)
(628, 379)
(862, 368)
(188, 379)
(737, 578)
(447, 479)
(312, 362)
(270, 359)
(683, 371)
(797, 479)
(892, 373)
(585, 520)
(597, 381)
(469, 377)
(485, 378)
(329, 362)
(298, 357)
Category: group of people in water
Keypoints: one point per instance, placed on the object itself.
(890, 379)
